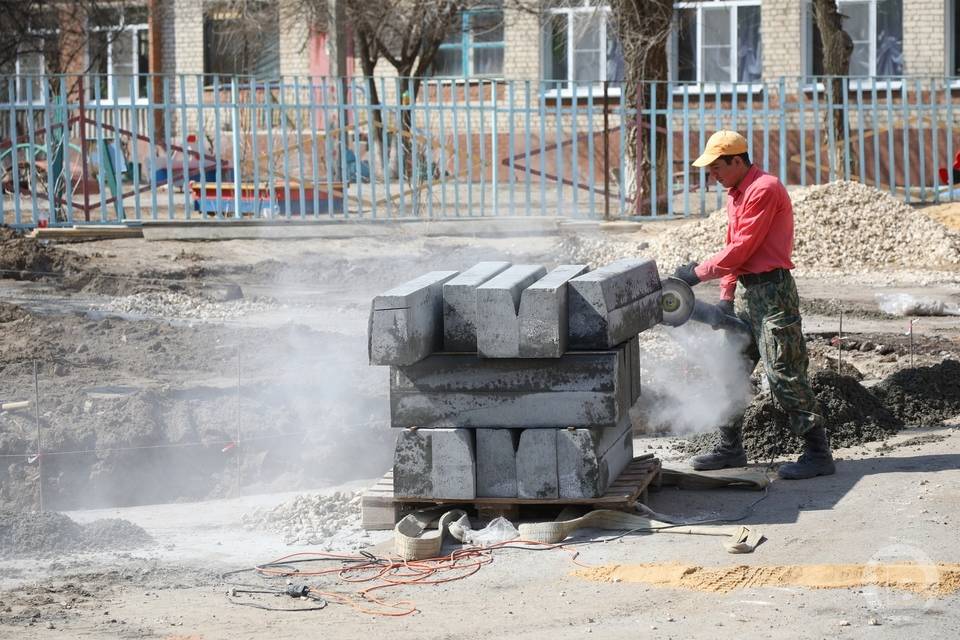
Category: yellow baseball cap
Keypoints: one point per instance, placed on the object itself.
(722, 143)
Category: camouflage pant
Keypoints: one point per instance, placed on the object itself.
(772, 309)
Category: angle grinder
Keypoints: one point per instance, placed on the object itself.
(679, 305)
(676, 300)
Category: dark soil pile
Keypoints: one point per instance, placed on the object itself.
(39, 534)
(27, 259)
(11, 312)
(853, 416)
(922, 396)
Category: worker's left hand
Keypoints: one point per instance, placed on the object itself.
(687, 274)
(726, 307)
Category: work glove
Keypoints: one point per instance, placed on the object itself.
(726, 307)
(687, 274)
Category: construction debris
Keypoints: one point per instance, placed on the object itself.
(175, 305)
(840, 225)
(40, 534)
(326, 521)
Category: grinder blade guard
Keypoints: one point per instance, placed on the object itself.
(676, 300)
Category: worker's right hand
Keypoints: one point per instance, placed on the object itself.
(726, 307)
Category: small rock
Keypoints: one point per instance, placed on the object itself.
(844, 623)
(873, 622)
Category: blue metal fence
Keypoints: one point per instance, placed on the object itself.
(213, 148)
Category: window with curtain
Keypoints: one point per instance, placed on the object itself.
(242, 45)
(718, 41)
(876, 28)
(118, 53)
(580, 45)
(475, 47)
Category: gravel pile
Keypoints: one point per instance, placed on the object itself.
(840, 225)
(922, 396)
(41, 534)
(853, 416)
(167, 304)
(331, 522)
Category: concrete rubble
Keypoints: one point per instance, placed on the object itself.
(326, 521)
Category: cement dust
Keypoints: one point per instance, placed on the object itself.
(939, 579)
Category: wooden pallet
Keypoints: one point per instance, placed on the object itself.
(381, 509)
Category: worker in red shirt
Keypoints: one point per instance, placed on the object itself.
(759, 243)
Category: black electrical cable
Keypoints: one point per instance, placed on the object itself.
(293, 591)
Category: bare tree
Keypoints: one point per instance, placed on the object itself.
(837, 50)
(644, 28)
(57, 30)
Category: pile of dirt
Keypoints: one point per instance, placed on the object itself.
(34, 533)
(922, 396)
(27, 259)
(853, 416)
(840, 225)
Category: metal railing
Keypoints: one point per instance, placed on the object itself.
(320, 149)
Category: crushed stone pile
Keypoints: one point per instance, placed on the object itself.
(173, 304)
(922, 396)
(853, 416)
(29, 533)
(841, 225)
(331, 522)
(28, 259)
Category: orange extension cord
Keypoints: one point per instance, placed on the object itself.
(388, 573)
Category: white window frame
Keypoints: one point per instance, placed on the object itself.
(808, 38)
(22, 99)
(586, 7)
(134, 50)
(726, 86)
(467, 47)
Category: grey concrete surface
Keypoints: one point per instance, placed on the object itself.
(613, 303)
(497, 462)
(580, 389)
(498, 310)
(460, 305)
(537, 464)
(406, 322)
(543, 313)
(435, 463)
(588, 460)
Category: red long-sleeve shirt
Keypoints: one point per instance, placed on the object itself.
(759, 232)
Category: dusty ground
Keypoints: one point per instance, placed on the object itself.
(148, 407)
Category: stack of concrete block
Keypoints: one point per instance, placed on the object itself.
(508, 381)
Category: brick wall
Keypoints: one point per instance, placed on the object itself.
(782, 33)
(182, 51)
(294, 37)
(924, 37)
(521, 35)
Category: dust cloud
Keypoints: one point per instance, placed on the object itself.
(694, 378)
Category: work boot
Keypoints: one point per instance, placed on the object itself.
(729, 453)
(816, 459)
